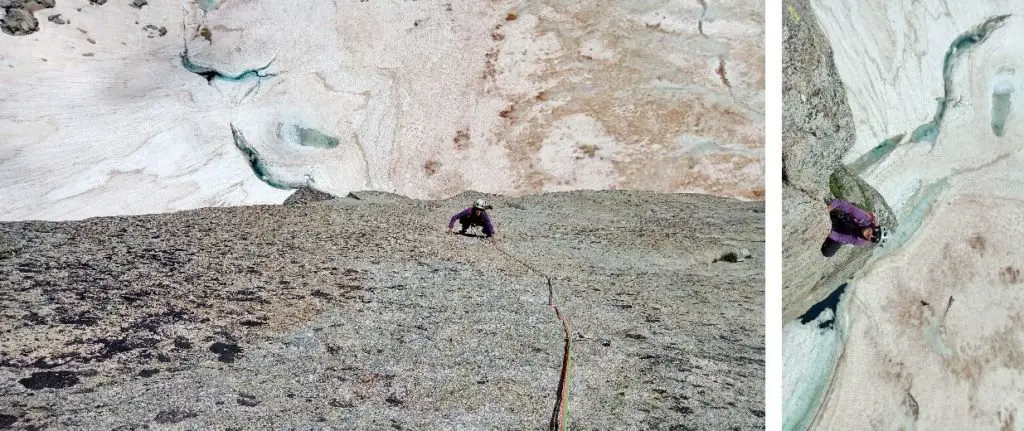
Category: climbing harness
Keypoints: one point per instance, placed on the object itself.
(560, 415)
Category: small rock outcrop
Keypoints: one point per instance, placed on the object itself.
(19, 18)
(307, 195)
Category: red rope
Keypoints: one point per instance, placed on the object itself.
(559, 416)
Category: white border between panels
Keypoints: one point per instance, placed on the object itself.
(773, 215)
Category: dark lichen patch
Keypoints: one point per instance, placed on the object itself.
(7, 420)
(43, 363)
(34, 318)
(395, 400)
(227, 352)
(431, 166)
(346, 404)
(149, 372)
(50, 380)
(205, 33)
(117, 346)
(154, 321)
(683, 410)
(174, 416)
(1010, 275)
(247, 400)
(253, 322)
(78, 319)
(182, 342)
(730, 257)
(153, 31)
(589, 150)
(461, 140)
(9, 247)
(132, 427)
(843, 184)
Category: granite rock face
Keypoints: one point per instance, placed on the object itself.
(817, 131)
(805, 225)
(817, 127)
(364, 314)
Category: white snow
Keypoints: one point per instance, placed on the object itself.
(426, 99)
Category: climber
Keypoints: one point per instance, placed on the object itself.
(474, 216)
(853, 226)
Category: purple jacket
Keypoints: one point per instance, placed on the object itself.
(467, 216)
(860, 217)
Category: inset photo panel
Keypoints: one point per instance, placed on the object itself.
(903, 215)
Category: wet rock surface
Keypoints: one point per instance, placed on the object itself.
(363, 314)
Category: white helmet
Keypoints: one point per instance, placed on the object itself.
(480, 204)
(882, 235)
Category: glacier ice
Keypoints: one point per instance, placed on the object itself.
(139, 110)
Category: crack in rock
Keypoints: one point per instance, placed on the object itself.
(703, 14)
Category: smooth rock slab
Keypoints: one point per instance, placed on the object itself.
(368, 315)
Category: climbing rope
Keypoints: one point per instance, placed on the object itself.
(560, 415)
